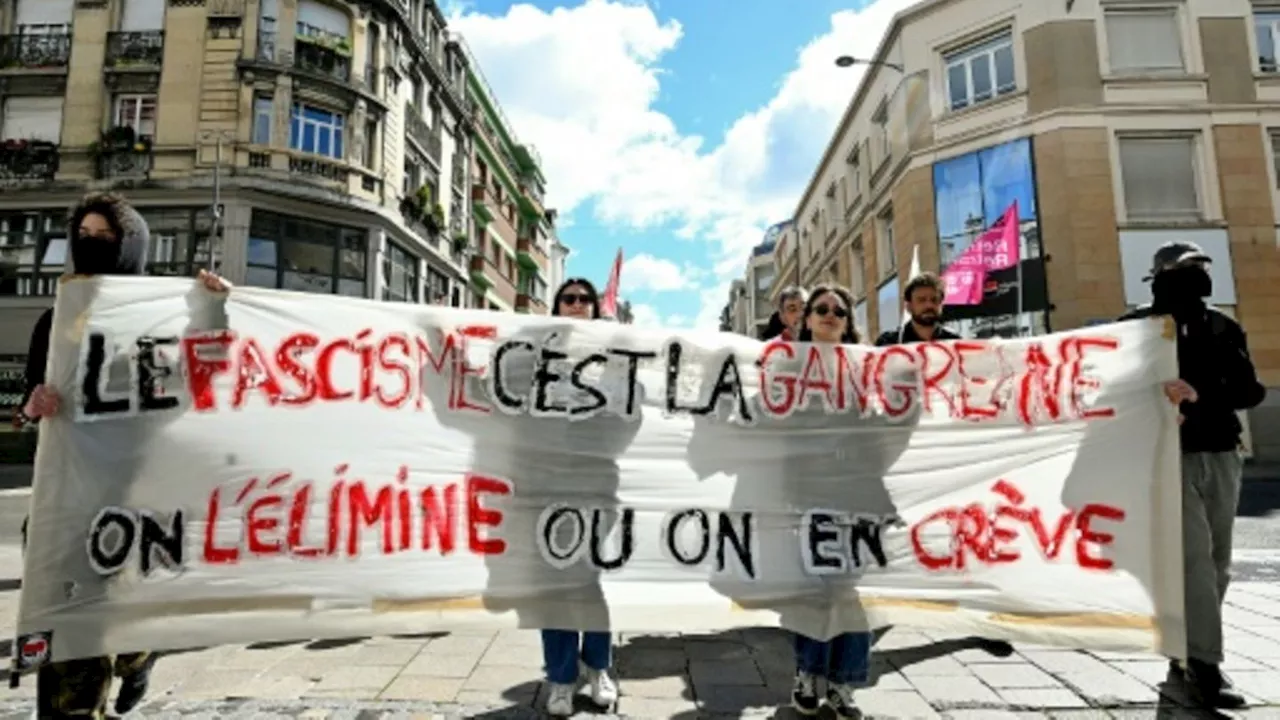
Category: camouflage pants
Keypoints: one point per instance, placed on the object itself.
(81, 688)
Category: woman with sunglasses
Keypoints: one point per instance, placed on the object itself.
(573, 658)
(577, 298)
(845, 660)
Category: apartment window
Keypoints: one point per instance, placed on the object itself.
(854, 160)
(1266, 27)
(1275, 155)
(1159, 178)
(32, 118)
(881, 134)
(142, 15)
(262, 119)
(293, 253)
(41, 17)
(370, 144)
(399, 275)
(315, 130)
(885, 261)
(980, 72)
(1147, 41)
(137, 112)
(857, 270)
(437, 287)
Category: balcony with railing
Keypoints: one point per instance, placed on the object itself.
(322, 54)
(28, 160)
(35, 52)
(121, 154)
(135, 50)
(530, 255)
(421, 133)
(460, 174)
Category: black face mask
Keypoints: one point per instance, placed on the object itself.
(1181, 286)
(95, 256)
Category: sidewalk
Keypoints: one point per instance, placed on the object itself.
(727, 675)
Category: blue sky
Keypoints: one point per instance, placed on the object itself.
(675, 129)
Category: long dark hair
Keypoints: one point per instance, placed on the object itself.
(850, 336)
(586, 284)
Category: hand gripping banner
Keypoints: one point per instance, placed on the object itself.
(269, 466)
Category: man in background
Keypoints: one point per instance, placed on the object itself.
(922, 299)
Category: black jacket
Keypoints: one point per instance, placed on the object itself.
(890, 337)
(1213, 358)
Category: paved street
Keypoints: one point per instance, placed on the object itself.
(724, 675)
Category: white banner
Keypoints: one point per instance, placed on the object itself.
(267, 466)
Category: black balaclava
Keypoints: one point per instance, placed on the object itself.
(94, 256)
(1180, 290)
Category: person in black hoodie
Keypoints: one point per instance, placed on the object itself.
(1217, 379)
(108, 237)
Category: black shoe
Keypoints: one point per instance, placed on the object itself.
(804, 694)
(1210, 688)
(133, 689)
(998, 648)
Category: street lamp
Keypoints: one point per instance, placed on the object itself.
(219, 137)
(845, 61)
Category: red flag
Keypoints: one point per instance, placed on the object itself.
(609, 301)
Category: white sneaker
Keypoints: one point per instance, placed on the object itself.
(604, 692)
(560, 699)
(840, 700)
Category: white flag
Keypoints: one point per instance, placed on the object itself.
(915, 270)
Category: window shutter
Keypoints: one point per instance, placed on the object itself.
(44, 12)
(325, 17)
(32, 118)
(142, 15)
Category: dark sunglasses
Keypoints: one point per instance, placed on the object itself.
(822, 310)
(576, 299)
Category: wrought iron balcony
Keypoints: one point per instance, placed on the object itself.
(34, 52)
(421, 133)
(459, 174)
(135, 49)
(125, 165)
(314, 58)
(319, 169)
(28, 160)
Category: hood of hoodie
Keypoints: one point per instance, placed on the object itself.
(134, 241)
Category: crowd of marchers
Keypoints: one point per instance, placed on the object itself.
(1217, 379)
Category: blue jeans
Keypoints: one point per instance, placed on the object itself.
(843, 660)
(561, 650)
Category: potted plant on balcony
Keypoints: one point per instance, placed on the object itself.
(435, 220)
(460, 241)
(120, 140)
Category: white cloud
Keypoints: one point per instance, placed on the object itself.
(580, 84)
(645, 272)
(645, 316)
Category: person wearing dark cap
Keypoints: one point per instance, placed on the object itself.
(1217, 379)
